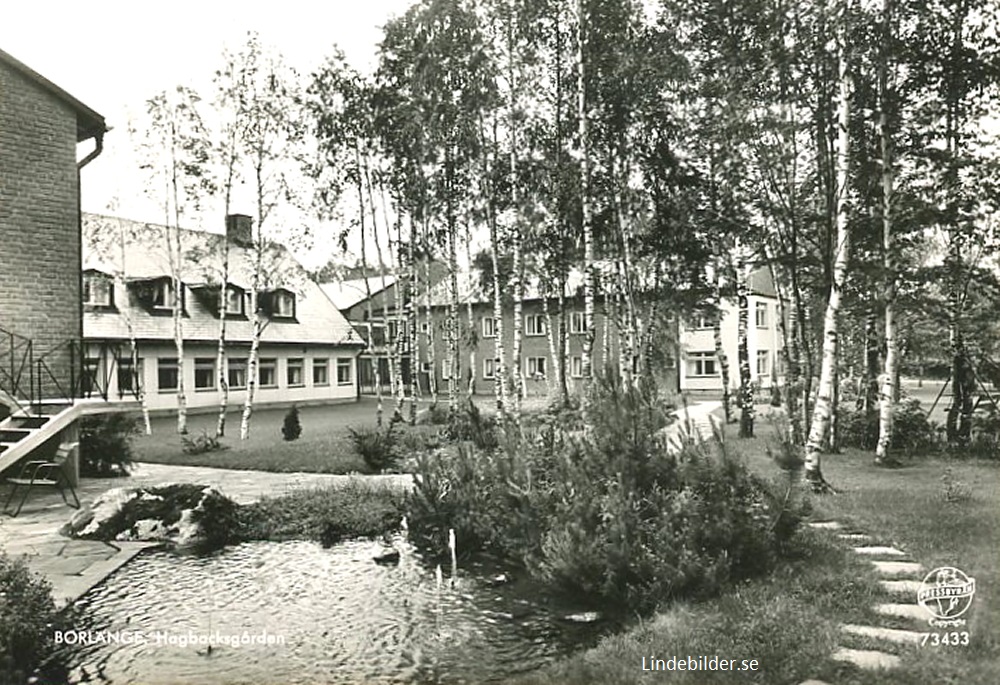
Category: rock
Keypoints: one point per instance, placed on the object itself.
(498, 579)
(387, 558)
(583, 617)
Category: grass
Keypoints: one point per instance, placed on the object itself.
(790, 620)
(324, 446)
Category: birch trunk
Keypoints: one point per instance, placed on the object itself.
(429, 317)
(220, 424)
(453, 361)
(789, 354)
(554, 381)
(390, 352)
(720, 352)
(743, 349)
(410, 303)
(822, 412)
(586, 207)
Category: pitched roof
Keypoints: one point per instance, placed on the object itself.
(316, 321)
(470, 289)
(761, 282)
(346, 294)
(88, 122)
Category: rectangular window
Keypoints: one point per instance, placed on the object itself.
(760, 315)
(490, 368)
(166, 374)
(97, 290)
(321, 372)
(237, 373)
(535, 369)
(445, 370)
(489, 327)
(393, 329)
(295, 372)
(204, 373)
(129, 379)
(577, 323)
(267, 374)
(235, 301)
(576, 367)
(425, 367)
(163, 295)
(534, 324)
(701, 322)
(424, 327)
(763, 362)
(344, 372)
(702, 364)
(284, 304)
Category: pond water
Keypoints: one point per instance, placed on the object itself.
(338, 616)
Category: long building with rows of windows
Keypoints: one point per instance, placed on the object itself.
(308, 350)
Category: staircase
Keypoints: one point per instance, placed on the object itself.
(27, 429)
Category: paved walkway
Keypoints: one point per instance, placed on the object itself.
(75, 566)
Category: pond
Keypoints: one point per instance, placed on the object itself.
(315, 615)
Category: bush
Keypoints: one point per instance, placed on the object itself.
(911, 433)
(291, 429)
(326, 515)
(984, 441)
(468, 424)
(377, 447)
(436, 415)
(609, 512)
(26, 616)
(202, 444)
(106, 444)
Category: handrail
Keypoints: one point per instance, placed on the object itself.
(17, 355)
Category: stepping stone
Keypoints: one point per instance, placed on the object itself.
(898, 568)
(903, 637)
(901, 587)
(877, 550)
(867, 659)
(826, 525)
(912, 611)
(854, 537)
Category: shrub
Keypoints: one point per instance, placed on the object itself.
(911, 433)
(26, 616)
(377, 447)
(291, 429)
(326, 515)
(609, 512)
(202, 444)
(106, 444)
(436, 415)
(985, 438)
(469, 424)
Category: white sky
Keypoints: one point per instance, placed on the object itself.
(114, 54)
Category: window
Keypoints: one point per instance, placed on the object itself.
(321, 372)
(163, 295)
(235, 301)
(91, 376)
(701, 321)
(393, 331)
(489, 327)
(204, 373)
(424, 327)
(763, 362)
(98, 290)
(166, 374)
(760, 314)
(237, 373)
(577, 323)
(534, 324)
(129, 379)
(535, 368)
(445, 369)
(295, 372)
(576, 367)
(267, 374)
(702, 364)
(344, 372)
(490, 368)
(283, 304)
(425, 367)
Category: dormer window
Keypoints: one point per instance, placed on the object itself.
(235, 301)
(163, 295)
(98, 290)
(278, 304)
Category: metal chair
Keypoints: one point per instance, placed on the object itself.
(45, 473)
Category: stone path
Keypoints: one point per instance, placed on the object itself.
(75, 566)
(901, 581)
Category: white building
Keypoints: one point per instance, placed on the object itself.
(699, 368)
(308, 350)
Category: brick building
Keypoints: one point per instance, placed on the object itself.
(41, 126)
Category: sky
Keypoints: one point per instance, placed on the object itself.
(113, 55)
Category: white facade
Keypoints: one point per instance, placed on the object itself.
(699, 365)
(312, 374)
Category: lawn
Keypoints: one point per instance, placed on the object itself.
(324, 446)
(790, 621)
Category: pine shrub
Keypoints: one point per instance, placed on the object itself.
(291, 429)
(379, 448)
(106, 444)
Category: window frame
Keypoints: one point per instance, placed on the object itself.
(765, 356)
(540, 329)
(577, 323)
(534, 361)
(272, 364)
(321, 363)
(167, 364)
(491, 330)
(240, 366)
(91, 278)
(200, 365)
(277, 298)
(702, 357)
(295, 363)
(490, 366)
(576, 366)
(342, 364)
(238, 291)
(762, 315)
(135, 375)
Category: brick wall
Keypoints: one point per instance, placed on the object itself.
(39, 229)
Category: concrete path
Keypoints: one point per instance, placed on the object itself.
(73, 567)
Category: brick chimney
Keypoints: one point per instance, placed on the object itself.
(239, 229)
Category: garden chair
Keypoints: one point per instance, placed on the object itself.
(45, 473)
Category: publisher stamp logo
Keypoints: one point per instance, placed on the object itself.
(946, 594)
